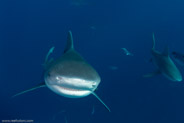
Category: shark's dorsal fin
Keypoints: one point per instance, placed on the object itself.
(166, 51)
(153, 41)
(69, 43)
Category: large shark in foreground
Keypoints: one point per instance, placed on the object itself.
(69, 75)
(165, 65)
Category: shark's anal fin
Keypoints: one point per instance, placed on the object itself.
(31, 89)
(101, 101)
(152, 74)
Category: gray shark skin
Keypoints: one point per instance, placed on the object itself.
(164, 64)
(69, 75)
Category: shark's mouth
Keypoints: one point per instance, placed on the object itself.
(70, 87)
(70, 92)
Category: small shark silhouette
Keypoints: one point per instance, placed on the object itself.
(165, 65)
(69, 75)
(127, 52)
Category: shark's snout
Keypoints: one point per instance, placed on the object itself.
(179, 79)
(174, 76)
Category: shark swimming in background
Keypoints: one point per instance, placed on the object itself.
(69, 75)
(164, 65)
(127, 52)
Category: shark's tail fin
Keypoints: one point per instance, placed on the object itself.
(153, 41)
(69, 44)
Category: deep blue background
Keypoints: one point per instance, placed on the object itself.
(28, 28)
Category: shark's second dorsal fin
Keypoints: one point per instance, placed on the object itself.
(153, 41)
(166, 51)
(69, 43)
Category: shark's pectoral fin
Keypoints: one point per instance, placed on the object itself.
(31, 89)
(152, 74)
(101, 101)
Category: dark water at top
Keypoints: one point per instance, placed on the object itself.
(29, 28)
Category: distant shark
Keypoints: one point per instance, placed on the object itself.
(69, 75)
(165, 65)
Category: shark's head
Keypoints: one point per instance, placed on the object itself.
(73, 87)
(174, 75)
(178, 78)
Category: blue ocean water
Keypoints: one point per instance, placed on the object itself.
(28, 29)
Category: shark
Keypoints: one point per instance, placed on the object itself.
(164, 64)
(127, 52)
(69, 75)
